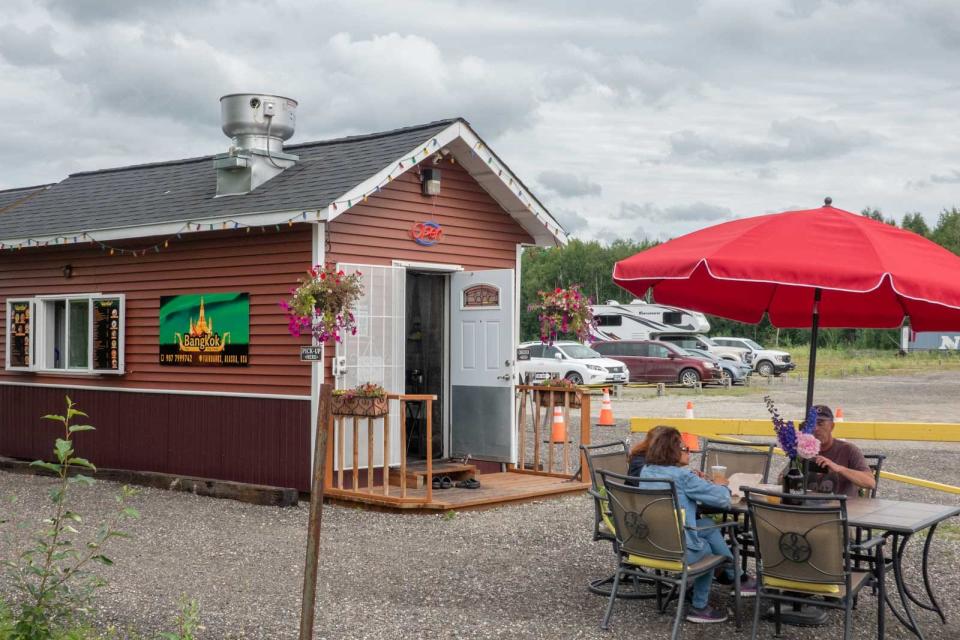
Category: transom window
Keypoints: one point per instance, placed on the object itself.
(75, 333)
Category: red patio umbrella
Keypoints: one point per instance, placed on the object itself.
(814, 268)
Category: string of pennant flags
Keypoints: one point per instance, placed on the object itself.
(304, 216)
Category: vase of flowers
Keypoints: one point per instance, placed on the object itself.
(321, 304)
(800, 445)
(562, 384)
(563, 311)
(369, 400)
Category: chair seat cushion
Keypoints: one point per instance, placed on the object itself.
(700, 566)
(819, 588)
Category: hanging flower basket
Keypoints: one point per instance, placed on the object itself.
(320, 305)
(563, 311)
(559, 383)
(369, 400)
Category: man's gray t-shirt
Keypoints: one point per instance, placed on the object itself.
(844, 454)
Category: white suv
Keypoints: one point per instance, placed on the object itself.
(698, 341)
(571, 360)
(766, 362)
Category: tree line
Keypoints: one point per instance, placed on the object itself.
(590, 264)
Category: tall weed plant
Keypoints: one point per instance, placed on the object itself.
(52, 578)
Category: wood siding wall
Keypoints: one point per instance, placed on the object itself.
(264, 264)
(477, 233)
(258, 440)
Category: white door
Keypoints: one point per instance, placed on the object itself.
(375, 354)
(483, 342)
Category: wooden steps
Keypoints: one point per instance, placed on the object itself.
(417, 473)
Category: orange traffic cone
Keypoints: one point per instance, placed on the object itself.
(838, 416)
(689, 409)
(558, 430)
(606, 411)
(691, 441)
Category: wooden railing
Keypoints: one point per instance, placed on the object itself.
(336, 479)
(556, 460)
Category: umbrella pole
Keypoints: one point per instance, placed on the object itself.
(814, 333)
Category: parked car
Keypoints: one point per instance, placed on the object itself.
(766, 362)
(737, 372)
(653, 361)
(571, 360)
(699, 341)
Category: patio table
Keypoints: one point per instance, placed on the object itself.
(899, 520)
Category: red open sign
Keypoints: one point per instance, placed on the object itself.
(426, 233)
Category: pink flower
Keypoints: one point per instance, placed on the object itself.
(807, 446)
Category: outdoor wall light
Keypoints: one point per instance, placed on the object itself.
(67, 270)
(430, 182)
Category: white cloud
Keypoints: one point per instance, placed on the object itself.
(753, 107)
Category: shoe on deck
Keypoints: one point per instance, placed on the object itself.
(706, 615)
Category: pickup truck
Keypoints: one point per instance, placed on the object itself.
(766, 362)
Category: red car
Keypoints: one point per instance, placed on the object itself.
(654, 361)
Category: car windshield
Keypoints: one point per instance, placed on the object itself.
(752, 344)
(709, 341)
(701, 354)
(579, 352)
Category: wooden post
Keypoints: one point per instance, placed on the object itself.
(549, 431)
(316, 514)
(536, 430)
(370, 455)
(403, 448)
(566, 425)
(340, 450)
(584, 432)
(386, 454)
(522, 426)
(429, 451)
(356, 453)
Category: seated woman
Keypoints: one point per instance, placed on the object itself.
(638, 453)
(667, 457)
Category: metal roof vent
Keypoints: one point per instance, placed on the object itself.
(258, 124)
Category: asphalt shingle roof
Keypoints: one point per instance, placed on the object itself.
(184, 190)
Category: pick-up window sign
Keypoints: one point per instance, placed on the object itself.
(311, 354)
(542, 375)
(523, 354)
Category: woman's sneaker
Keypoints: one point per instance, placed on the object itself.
(706, 615)
(748, 586)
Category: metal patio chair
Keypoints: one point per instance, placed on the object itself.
(875, 462)
(648, 524)
(611, 457)
(739, 457)
(804, 551)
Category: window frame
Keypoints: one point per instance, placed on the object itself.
(40, 340)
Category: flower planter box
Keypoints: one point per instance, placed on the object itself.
(558, 398)
(346, 405)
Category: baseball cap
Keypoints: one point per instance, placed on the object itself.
(823, 411)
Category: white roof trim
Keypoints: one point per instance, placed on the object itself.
(484, 165)
(179, 227)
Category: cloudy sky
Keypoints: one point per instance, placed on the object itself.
(628, 119)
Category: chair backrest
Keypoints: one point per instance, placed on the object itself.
(875, 462)
(804, 543)
(738, 457)
(646, 517)
(610, 456)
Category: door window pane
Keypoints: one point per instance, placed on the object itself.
(56, 333)
(78, 341)
(658, 351)
(536, 350)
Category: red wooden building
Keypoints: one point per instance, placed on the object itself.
(91, 269)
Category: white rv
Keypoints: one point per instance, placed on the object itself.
(637, 320)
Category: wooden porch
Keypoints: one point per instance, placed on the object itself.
(549, 459)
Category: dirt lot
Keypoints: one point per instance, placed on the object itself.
(511, 572)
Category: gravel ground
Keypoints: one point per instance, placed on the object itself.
(510, 572)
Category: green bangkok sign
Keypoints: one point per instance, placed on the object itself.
(205, 330)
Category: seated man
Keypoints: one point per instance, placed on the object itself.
(843, 469)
